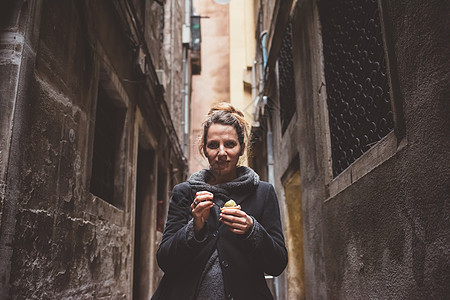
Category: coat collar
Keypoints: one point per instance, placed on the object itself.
(238, 189)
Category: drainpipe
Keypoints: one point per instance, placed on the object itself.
(269, 145)
(187, 12)
(270, 171)
(255, 96)
(185, 100)
(185, 92)
(271, 178)
(264, 51)
(262, 74)
(269, 136)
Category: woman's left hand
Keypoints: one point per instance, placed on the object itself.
(236, 220)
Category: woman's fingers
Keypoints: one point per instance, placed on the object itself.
(233, 218)
(238, 228)
(201, 197)
(200, 212)
(235, 222)
(201, 206)
(238, 221)
(201, 209)
(204, 194)
(233, 214)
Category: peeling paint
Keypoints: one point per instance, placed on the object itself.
(11, 48)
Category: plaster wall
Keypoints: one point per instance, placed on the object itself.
(242, 52)
(387, 234)
(380, 229)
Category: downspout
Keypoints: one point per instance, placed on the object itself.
(269, 137)
(262, 75)
(264, 51)
(270, 171)
(185, 108)
(185, 101)
(260, 102)
(255, 96)
(271, 179)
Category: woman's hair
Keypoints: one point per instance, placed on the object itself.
(226, 114)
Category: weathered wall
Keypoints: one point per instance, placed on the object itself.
(173, 58)
(387, 235)
(309, 135)
(297, 149)
(18, 44)
(60, 249)
(58, 239)
(382, 233)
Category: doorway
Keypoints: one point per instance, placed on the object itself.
(143, 224)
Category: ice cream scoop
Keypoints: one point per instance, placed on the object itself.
(230, 204)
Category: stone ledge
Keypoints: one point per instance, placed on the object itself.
(386, 148)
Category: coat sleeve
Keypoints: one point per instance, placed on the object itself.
(174, 252)
(267, 239)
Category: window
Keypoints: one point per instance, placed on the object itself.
(286, 85)
(109, 121)
(358, 96)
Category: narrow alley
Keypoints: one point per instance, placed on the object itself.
(102, 104)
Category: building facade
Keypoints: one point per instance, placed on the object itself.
(242, 56)
(213, 84)
(353, 108)
(93, 101)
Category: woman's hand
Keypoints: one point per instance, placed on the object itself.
(236, 220)
(200, 209)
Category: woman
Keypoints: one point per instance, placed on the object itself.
(209, 253)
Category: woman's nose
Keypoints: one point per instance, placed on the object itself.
(222, 150)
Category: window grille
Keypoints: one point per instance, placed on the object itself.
(286, 84)
(360, 111)
(105, 144)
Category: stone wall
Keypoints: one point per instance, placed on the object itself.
(58, 239)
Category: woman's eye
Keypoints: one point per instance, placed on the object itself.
(212, 145)
(230, 144)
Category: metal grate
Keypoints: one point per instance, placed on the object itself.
(286, 85)
(360, 112)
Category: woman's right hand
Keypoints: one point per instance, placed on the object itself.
(200, 209)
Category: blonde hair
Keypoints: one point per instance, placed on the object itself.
(226, 114)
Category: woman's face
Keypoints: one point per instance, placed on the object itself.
(223, 150)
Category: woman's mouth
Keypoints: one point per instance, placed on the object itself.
(222, 163)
